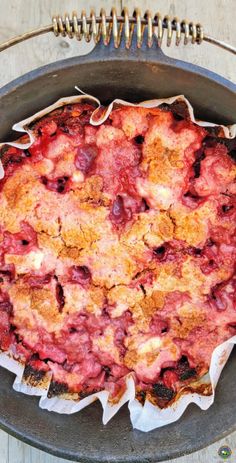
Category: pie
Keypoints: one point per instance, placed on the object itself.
(117, 251)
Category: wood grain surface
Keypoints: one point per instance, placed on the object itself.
(18, 16)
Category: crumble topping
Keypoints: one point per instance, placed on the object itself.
(117, 251)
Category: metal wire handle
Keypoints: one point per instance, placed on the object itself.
(105, 28)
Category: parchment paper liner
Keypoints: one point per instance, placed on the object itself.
(147, 417)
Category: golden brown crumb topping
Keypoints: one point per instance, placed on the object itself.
(117, 251)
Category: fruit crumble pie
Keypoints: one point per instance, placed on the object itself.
(117, 251)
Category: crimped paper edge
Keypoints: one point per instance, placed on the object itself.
(143, 417)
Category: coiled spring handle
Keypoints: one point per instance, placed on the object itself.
(105, 28)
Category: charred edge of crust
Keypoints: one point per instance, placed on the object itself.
(164, 397)
(59, 110)
(57, 389)
(3, 150)
(84, 394)
(215, 136)
(55, 112)
(189, 373)
(179, 109)
(162, 392)
(160, 395)
(141, 396)
(213, 131)
(33, 377)
(231, 146)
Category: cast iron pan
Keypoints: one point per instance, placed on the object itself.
(134, 75)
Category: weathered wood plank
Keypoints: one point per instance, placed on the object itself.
(23, 15)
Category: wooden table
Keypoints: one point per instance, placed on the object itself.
(218, 18)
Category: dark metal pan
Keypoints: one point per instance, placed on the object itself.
(135, 75)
